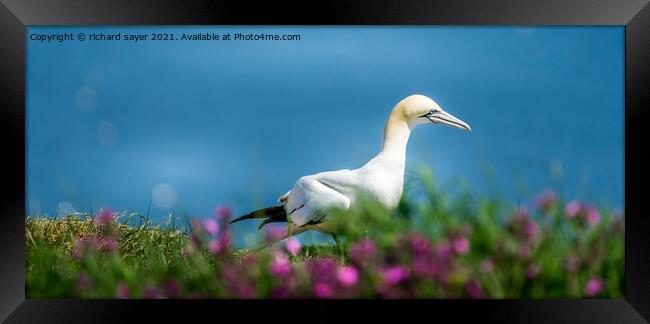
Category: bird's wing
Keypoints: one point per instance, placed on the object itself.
(311, 196)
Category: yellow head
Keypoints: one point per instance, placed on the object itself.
(418, 109)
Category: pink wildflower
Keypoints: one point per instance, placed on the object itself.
(322, 290)
(83, 282)
(362, 251)
(546, 201)
(273, 234)
(348, 276)
(110, 245)
(594, 286)
(394, 274)
(572, 209)
(592, 215)
(532, 271)
(474, 289)
(445, 250)
(524, 251)
(419, 244)
(280, 266)
(222, 213)
(486, 265)
(324, 269)
(211, 226)
(172, 288)
(225, 239)
(215, 247)
(122, 291)
(105, 217)
(461, 245)
(292, 245)
(151, 292)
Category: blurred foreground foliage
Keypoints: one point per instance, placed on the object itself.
(438, 247)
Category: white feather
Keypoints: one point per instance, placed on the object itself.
(382, 178)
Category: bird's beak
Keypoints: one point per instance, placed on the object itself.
(443, 117)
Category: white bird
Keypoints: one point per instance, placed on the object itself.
(382, 178)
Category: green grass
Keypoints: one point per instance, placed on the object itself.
(439, 247)
(146, 255)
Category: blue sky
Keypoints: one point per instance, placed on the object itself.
(202, 123)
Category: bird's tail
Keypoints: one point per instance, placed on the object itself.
(272, 214)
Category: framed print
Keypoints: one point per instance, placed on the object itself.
(477, 161)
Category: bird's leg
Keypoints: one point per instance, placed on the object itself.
(338, 245)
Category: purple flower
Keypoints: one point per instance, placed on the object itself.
(424, 266)
(172, 288)
(524, 227)
(445, 251)
(105, 217)
(348, 276)
(292, 245)
(230, 273)
(546, 201)
(585, 213)
(419, 244)
(273, 234)
(222, 213)
(249, 259)
(110, 245)
(594, 286)
(592, 215)
(323, 290)
(388, 291)
(122, 291)
(211, 226)
(532, 271)
(280, 266)
(215, 247)
(83, 245)
(572, 209)
(394, 274)
(84, 282)
(474, 289)
(247, 291)
(280, 291)
(461, 245)
(152, 292)
(322, 269)
(225, 240)
(531, 230)
(362, 251)
(486, 265)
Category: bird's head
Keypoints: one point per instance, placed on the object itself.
(419, 109)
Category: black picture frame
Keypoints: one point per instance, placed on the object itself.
(15, 15)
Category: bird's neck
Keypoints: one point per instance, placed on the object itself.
(396, 137)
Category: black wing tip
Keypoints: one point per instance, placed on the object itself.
(241, 218)
(273, 214)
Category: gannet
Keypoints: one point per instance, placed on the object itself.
(381, 178)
